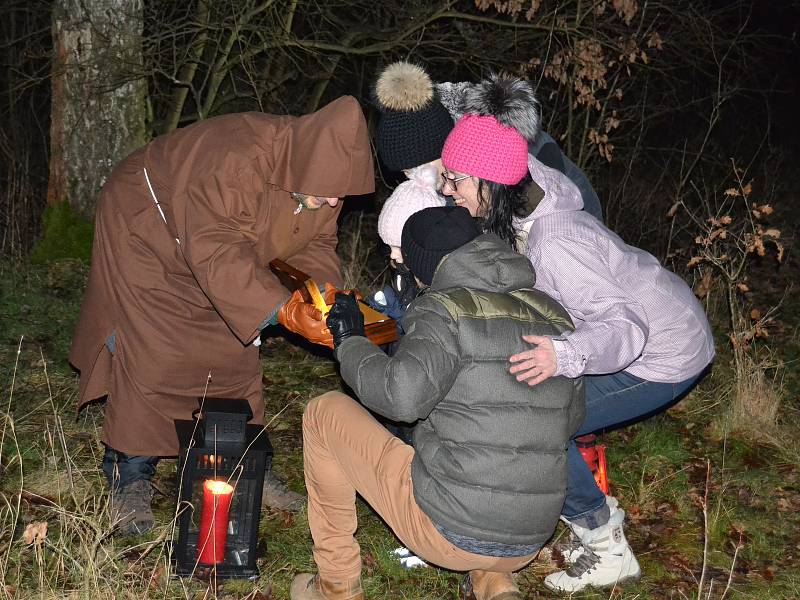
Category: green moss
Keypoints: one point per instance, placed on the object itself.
(64, 235)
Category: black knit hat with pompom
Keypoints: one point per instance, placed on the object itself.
(413, 123)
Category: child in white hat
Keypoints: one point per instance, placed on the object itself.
(411, 196)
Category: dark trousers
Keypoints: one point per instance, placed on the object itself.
(612, 401)
(122, 469)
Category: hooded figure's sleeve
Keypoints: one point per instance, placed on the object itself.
(218, 242)
(408, 385)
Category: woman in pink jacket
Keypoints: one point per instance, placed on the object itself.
(641, 340)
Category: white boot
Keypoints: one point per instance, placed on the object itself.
(572, 548)
(606, 559)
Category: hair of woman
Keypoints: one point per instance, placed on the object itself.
(502, 203)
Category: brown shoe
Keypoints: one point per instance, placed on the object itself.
(277, 495)
(488, 585)
(130, 507)
(309, 586)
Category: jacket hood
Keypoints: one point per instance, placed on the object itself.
(559, 193)
(486, 263)
(325, 153)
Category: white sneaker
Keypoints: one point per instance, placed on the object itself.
(408, 559)
(605, 561)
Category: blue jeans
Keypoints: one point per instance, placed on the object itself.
(121, 469)
(612, 401)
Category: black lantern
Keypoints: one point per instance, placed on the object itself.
(221, 470)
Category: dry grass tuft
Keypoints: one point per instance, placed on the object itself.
(757, 397)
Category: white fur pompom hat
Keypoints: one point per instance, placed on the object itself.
(409, 197)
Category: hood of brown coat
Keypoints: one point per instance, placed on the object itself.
(326, 153)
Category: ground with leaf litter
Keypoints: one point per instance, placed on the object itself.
(711, 512)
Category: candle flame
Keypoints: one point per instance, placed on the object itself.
(218, 488)
(316, 297)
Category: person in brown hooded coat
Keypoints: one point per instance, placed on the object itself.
(179, 287)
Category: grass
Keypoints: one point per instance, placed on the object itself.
(49, 473)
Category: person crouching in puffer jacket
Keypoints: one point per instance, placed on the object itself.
(482, 486)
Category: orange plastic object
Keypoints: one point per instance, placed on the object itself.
(595, 456)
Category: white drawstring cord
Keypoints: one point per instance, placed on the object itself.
(153, 194)
(257, 340)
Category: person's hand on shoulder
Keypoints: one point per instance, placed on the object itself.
(537, 364)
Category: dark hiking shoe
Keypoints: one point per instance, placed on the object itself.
(130, 507)
(309, 586)
(486, 585)
(277, 495)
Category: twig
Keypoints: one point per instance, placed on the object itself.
(705, 531)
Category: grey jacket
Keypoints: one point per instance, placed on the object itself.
(490, 459)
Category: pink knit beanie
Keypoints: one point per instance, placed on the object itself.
(408, 197)
(482, 147)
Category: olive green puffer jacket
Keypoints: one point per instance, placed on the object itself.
(490, 458)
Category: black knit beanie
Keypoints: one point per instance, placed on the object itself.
(431, 234)
(407, 139)
(413, 124)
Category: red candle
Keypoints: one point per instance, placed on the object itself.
(214, 521)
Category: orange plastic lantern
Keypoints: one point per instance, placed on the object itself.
(595, 456)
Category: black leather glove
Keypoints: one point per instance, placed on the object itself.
(345, 319)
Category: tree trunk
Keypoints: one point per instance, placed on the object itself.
(98, 98)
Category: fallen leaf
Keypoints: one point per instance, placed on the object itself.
(654, 41)
(287, 519)
(370, 564)
(157, 578)
(737, 535)
(35, 533)
(266, 594)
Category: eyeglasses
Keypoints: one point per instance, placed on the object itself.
(452, 181)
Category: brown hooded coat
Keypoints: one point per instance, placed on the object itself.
(183, 314)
